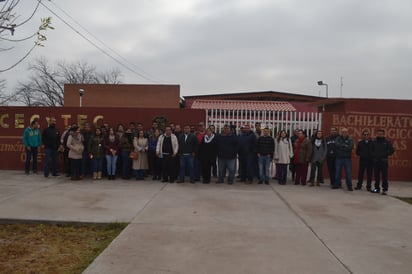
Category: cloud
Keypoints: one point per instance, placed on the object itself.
(234, 45)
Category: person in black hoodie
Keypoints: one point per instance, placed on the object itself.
(51, 143)
(363, 150)
(381, 149)
(207, 154)
(227, 147)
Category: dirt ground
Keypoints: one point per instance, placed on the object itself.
(53, 248)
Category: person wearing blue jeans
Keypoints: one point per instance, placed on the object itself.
(223, 165)
(51, 143)
(264, 164)
(227, 147)
(31, 141)
(265, 146)
(188, 146)
(112, 148)
(344, 146)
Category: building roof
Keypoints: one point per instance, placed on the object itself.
(256, 95)
(242, 105)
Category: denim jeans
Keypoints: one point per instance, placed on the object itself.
(282, 172)
(345, 163)
(97, 164)
(187, 161)
(264, 165)
(29, 154)
(224, 164)
(111, 164)
(50, 162)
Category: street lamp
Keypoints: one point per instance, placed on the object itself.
(81, 92)
(321, 83)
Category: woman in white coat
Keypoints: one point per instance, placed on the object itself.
(141, 146)
(283, 153)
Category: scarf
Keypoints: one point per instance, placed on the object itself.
(209, 139)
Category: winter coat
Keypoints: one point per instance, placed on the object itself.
(344, 147)
(141, 146)
(319, 152)
(283, 151)
(331, 148)
(208, 151)
(96, 146)
(247, 142)
(364, 149)
(227, 146)
(189, 145)
(302, 151)
(175, 144)
(381, 148)
(75, 146)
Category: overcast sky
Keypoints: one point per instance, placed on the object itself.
(218, 46)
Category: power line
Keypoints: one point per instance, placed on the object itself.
(99, 40)
(96, 46)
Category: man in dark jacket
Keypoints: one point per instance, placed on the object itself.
(247, 155)
(187, 152)
(227, 147)
(344, 146)
(381, 149)
(265, 148)
(331, 154)
(363, 150)
(51, 143)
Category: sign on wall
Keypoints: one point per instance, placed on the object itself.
(398, 129)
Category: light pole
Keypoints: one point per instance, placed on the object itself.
(321, 83)
(81, 92)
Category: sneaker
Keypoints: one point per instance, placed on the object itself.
(266, 182)
(358, 187)
(260, 182)
(385, 192)
(376, 190)
(336, 187)
(350, 189)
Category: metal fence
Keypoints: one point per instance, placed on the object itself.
(274, 120)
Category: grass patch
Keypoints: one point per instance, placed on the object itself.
(405, 199)
(53, 248)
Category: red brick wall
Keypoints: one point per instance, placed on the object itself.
(395, 116)
(131, 96)
(13, 121)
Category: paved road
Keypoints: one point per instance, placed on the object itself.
(185, 228)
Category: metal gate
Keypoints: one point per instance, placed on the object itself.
(274, 120)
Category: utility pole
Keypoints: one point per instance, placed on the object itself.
(341, 86)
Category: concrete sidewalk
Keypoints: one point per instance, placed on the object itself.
(185, 228)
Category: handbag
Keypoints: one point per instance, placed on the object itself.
(134, 155)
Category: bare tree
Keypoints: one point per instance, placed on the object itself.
(10, 22)
(46, 85)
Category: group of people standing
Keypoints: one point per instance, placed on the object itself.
(177, 153)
